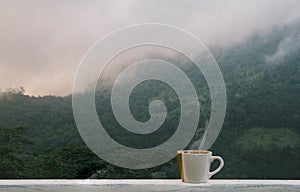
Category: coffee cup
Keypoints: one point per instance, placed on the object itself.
(194, 165)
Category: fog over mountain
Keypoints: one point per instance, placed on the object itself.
(289, 45)
(42, 42)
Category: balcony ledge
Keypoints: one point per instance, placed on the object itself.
(147, 185)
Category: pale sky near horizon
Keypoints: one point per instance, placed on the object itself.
(42, 42)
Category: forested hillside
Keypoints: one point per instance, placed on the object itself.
(260, 137)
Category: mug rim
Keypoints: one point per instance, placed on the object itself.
(194, 152)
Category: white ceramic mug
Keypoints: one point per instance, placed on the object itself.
(195, 165)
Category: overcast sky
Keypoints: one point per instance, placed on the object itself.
(43, 41)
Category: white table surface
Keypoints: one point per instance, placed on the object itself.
(148, 185)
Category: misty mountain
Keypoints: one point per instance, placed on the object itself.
(39, 138)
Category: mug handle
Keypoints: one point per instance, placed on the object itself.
(210, 174)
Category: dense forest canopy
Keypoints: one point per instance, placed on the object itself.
(259, 138)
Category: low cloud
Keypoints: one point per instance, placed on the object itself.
(43, 42)
(290, 44)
